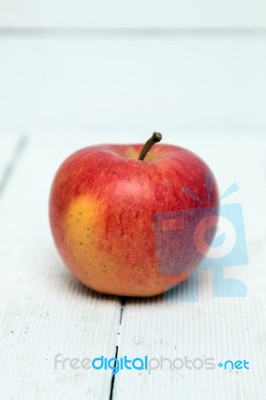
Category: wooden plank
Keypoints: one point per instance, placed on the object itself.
(148, 14)
(44, 311)
(221, 328)
(175, 85)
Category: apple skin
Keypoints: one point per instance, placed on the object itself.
(101, 209)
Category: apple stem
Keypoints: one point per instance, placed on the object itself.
(156, 137)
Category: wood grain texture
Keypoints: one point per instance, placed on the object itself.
(118, 13)
(44, 311)
(222, 328)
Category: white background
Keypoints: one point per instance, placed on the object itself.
(125, 67)
(75, 73)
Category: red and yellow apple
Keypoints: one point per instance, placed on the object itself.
(102, 203)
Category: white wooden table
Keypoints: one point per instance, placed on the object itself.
(45, 311)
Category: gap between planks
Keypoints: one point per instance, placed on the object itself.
(13, 162)
(123, 303)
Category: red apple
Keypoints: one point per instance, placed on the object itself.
(103, 206)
